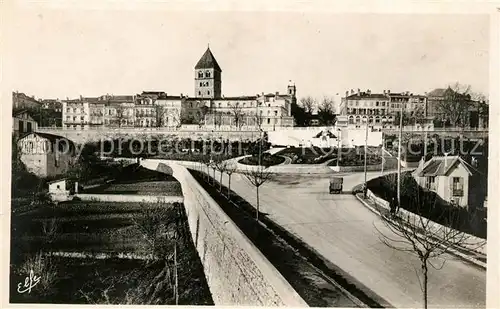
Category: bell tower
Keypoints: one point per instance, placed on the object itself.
(207, 79)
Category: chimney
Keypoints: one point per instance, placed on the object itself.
(182, 95)
(384, 91)
(352, 91)
(446, 160)
(347, 93)
(368, 91)
(388, 91)
(359, 91)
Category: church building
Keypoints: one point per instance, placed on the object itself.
(216, 111)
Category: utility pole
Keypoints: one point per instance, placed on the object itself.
(382, 154)
(399, 154)
(366, 150)
(339, 146)
(260, 130)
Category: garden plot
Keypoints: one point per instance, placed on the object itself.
(76, 246)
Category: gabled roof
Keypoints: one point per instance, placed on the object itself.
(442, 166)
(207, 61)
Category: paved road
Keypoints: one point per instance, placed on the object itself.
(341, 229)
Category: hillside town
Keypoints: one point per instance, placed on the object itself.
(360, 198)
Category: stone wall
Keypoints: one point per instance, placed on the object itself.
(236, 271)
(94, 135)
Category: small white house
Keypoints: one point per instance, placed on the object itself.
(453, 179)
(58, 190)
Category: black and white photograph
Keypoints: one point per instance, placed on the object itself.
(249, 155)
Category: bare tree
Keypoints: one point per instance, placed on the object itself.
(219, 164)
(229, 169)
(217, 118)
(160, 113)
(237, 113)
(308, 103)
(257, 176)
(417, 235)
(326, 111)
(455, 103)
(121, 114)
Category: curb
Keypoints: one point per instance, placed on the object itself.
(449, 250)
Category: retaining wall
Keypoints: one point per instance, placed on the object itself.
(94, 135)
(237, 272)
(470, 242)
(129, 198)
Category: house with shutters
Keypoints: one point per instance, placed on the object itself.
(454, 180)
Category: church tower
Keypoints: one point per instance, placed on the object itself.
(207, 79)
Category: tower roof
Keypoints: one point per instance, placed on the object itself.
(207, 61)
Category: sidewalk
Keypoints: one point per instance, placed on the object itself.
(467, 255)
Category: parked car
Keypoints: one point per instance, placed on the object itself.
(336, 185)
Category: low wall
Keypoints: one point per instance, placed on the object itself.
(237, 272)
(471, 242)
(129, 198)
(361, 168)
(288, 168)
(94, 135)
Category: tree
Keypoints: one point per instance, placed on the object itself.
(257, 176)
(238, 115)
(219, 164)
(160, 113)
(421, 237)
(455, 104)
(217, 118)
(308, 103)
(299, 115)
(326, 112)
(203, 112)
(121, 114)
(229, 169)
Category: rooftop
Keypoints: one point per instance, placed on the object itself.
(442, 166)
(207, 61)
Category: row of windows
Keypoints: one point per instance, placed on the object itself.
(372, 104)
(204, 84)
(207, 74)
(365, 111)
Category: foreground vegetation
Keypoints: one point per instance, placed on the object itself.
(154, 237)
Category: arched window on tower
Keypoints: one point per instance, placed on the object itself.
(207, 74)
(200, 74)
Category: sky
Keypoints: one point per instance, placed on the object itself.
(59, 53)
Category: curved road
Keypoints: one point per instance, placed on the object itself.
(341, 229)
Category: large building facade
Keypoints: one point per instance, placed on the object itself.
(207, 108)
(379, 109)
